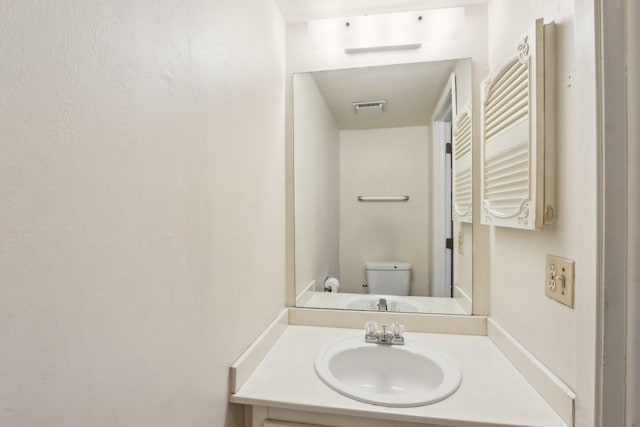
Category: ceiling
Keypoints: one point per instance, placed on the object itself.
(411, 92)
(304, 10)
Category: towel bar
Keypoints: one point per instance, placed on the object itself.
(383, 198)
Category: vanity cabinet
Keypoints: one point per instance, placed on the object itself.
(262, 416)
(278, 385)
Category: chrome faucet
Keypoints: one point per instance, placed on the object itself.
(382, 304)
(373, 335)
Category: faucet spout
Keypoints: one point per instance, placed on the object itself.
(382, 304)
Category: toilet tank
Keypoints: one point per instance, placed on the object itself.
(388, 278)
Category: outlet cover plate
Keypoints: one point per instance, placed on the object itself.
(560, 279)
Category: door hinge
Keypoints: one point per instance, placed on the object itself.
(448, 148)
(449, 243)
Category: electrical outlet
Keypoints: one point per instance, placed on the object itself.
(559, 279)
(461, 242)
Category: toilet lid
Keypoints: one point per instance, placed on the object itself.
(390, 266)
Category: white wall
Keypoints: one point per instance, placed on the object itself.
(464, 79)
(562, 338)
(317, 185)
(462, 262)
(142, 209)
(384, 162)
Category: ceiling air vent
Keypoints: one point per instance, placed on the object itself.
(369, 106)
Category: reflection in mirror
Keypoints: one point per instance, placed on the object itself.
(382, 177)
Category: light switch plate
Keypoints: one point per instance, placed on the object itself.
(461, 242)
(560, 279)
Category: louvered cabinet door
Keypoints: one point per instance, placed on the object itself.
(513, 137)
(462, 179)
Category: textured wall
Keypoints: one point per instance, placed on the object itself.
(142, 214)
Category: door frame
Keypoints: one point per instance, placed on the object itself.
(441, 269)
(618, 303)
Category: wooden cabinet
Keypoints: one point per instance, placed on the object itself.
(517, 135)
(462, 183)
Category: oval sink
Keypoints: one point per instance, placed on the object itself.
(371, 303)
(387, 375)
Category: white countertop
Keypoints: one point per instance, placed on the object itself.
(493, 392)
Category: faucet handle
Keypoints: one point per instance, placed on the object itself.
(398, 332)
(371, 327)
(371, 331)
(398, 329)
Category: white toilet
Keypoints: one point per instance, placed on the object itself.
(388, 278)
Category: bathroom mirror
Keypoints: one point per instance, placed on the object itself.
(382, 200)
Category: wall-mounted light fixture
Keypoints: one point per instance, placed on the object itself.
(388, 31)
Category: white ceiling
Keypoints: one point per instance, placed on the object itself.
(303, 10)
(411, 92)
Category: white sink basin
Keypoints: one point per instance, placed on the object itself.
(393, 304)
(387, 375)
